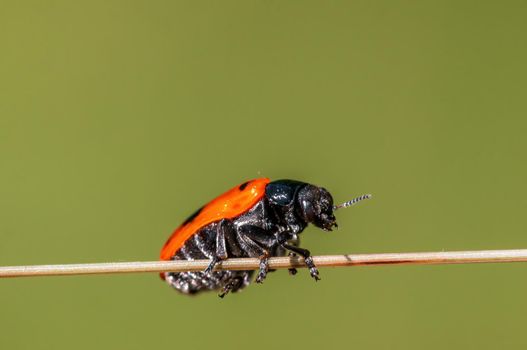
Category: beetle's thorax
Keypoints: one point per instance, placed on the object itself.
(286, 219)
(298, 203)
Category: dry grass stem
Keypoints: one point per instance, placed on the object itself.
(461, 257)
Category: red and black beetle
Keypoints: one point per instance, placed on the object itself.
(258, 218)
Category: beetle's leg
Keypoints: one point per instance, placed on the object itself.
(233, 284)
(232, 245)
(292, 270)
(281, 251)
(307, 258)
(213, 262)
(221, 248)
(226, 289)
(257, 235)
(295, 241)
(262, 254)
(263, 268)
(252, 239)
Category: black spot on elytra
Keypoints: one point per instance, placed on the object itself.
(191, 217)
(243, 185)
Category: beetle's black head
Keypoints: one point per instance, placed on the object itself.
(315, 205)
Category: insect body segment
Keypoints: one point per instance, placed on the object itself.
(229, 205)
(258, 219)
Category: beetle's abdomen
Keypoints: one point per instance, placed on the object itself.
(194, 282)
(202, 246)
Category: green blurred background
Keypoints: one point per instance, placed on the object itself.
(120, 118)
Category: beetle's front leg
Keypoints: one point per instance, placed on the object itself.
(307, 258)
(294, 241)
(292, 271)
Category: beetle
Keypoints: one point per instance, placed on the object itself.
(257, 219)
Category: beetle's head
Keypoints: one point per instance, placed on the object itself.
(316, 207)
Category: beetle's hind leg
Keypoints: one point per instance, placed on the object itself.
(239, 280)
(232, 285)
(307, 258)
(220, 252)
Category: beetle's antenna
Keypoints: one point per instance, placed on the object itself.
(352, 202)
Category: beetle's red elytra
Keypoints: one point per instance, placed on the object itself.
(258, 219)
